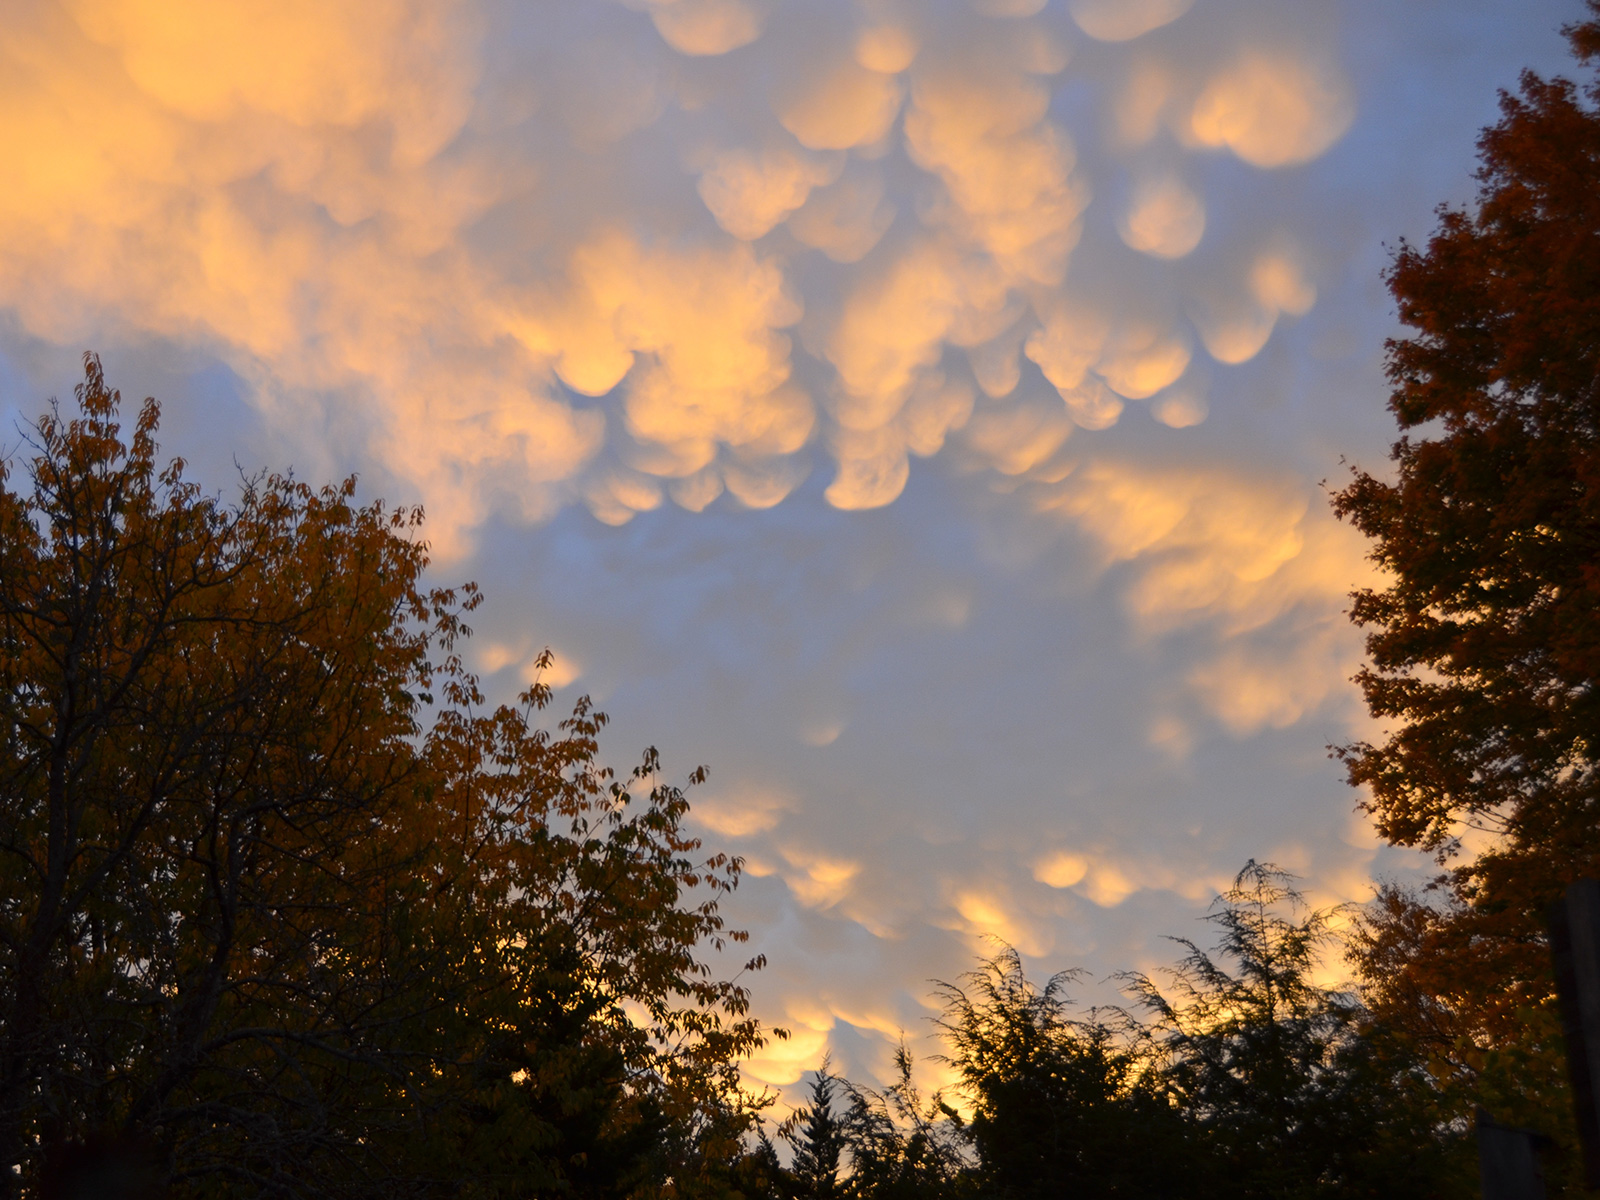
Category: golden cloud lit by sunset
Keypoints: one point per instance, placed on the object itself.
(302, 189)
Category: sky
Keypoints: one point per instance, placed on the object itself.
(922, 412)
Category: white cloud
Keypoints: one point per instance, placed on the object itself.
(1123, 20)
(705, 28)
(1164, 217)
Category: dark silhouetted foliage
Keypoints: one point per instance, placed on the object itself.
(1060, 1104)
(1248, 1081)
(1484, 648)
(1290, 1087)
(901, 1146)
(259, 924)
(818, 1141)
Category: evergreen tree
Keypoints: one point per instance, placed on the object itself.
(1060, 1104)
(902, 1147)
(1290, 1088)
(818, 1142)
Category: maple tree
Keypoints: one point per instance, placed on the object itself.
(260, 923)
(1483, 644)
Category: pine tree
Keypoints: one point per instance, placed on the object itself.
(818, 1142)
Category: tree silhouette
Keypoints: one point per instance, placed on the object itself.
(261, 925)
(1060, 1104)
(1291, 1089)
(902, 1146)
(1484, 651)
(818, 1141)
(1244, 1079)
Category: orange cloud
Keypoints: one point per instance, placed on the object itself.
(527, 304)
(1274, 108)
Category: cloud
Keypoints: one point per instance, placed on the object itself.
(817, 879)
(1015, 438)
(1164, 218)
(1236, 312)
(749, 195)
(889, 49)
(985, 913)
(1006, 169)
(741, 813)
(1123, 20)
(1061, 869)
(1242, 555)
(1274, 108)
(785, 1061)
(843, 105)
(555, 254)
(845, 221)
(704, 28)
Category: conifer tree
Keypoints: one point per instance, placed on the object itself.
(818, 1142)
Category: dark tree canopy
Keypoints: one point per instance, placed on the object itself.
(818, 1142)
(261, 924)
(1234, 1076)
(1061, 1103)
(902, 1145)
(1484, 644)
(1292, 1089)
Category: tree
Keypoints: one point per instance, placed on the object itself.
(205, 718)
(601, 1052)
(901, 1146)
(1291, 1089)
(818, 1142)
(1483, 647)
(1247, 1080)
(257, 920)
(1060, 1105)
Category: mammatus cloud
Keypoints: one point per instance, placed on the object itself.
(1273, 109)
(661, 250)
(1164, 217)
(703, 27)
(1255, 566)
(1123, 20)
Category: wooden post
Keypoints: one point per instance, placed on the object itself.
(1508, 1161)
(1575, 945)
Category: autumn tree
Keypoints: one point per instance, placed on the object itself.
(258, 920)
(601, 1051)
(1483, 644)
